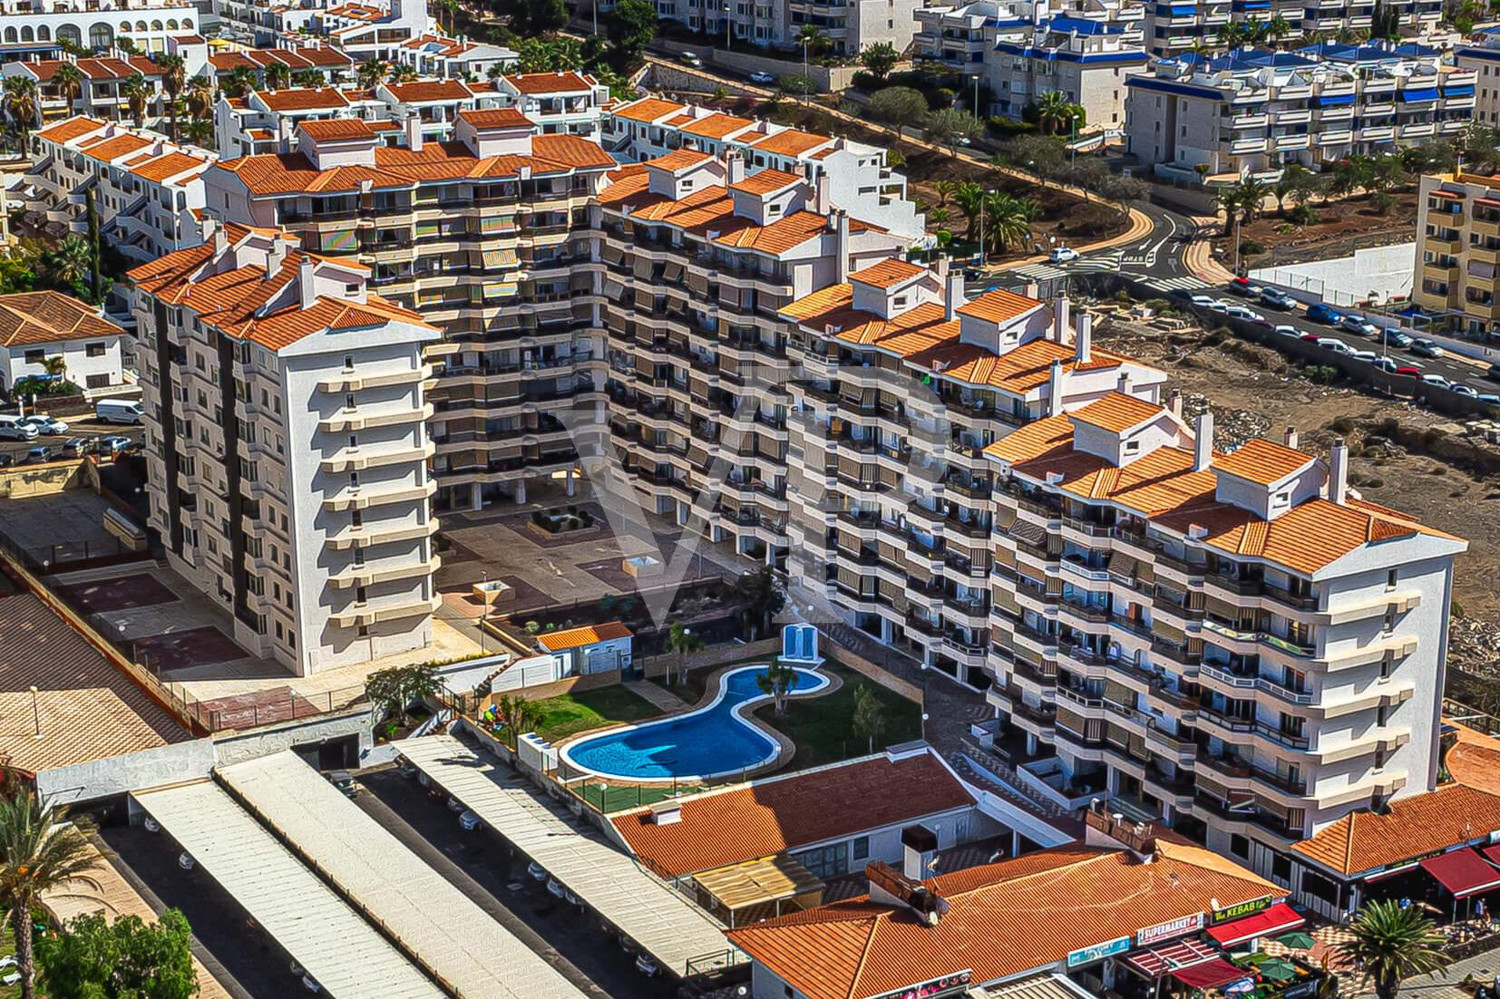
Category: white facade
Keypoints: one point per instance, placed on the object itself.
(95, 25)
(558, 102)
(92, 362)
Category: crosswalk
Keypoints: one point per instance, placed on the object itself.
(1177, 284)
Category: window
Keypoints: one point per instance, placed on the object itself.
(94, 350)
(37, 356)
(1319, 887)
(1281, 869)
(824, 861)
(1239, 846)
(1391, 578)
(861, 847)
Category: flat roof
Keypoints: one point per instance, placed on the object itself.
(338, 948)
(652, 913)
(441, 927)
(86, 709)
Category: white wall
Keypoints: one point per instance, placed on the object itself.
(1347, 280)
(74, 353)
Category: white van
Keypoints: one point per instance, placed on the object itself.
(12, 428)
(118, 411)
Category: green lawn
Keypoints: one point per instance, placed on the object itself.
(572, 713)
(823, 727)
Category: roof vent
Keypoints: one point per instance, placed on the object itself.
(666, 812)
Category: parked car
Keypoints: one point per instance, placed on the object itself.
(112, 444)
(690, 59)
(46, 424)
(1489, 397)
(344, 782)
(136, 446)
(1334, 344)
(1320, 313)
(7, 460)
(1385, 364)
(1368, 356)
(1437, 381)
(1493, 374)
(1220, 306)
(1396, 338)
(1275, 298)
(1244, 288)
(1286, 330)
(1462, 389)
(118, 411)
(646, 965)
(1062, 255)
(454, 805)
(555, 888)
(1358, 324)
(39, 455)
(77, 447)
(1241, 312)
(536, 871)
(468, 821)
(761, 76)
(1423, 347)
(1202, 301)
(12, 428)
(1407, 369)
(1313, 338)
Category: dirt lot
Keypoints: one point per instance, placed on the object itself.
(1345, 227)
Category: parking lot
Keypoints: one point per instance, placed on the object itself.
(481, 864)
(83, 425)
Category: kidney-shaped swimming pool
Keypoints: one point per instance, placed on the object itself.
(715, 741)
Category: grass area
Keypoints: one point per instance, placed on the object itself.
(696, 685)
(570, 714)
(823, 727)
(8, 949)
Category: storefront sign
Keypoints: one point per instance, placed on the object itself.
(1242, 910)
(1098, 952)
(1302, 990)
(954, 983)
(1169, 930)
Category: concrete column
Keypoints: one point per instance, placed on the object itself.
(770, 554)
(569, 480)
(476, 496)
(927, 657)
(520, 490)
(1030, 744)
(887, 631)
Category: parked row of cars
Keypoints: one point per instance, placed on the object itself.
(76, 447)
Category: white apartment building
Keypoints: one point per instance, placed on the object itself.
(287, 447)
(1252, 112)
(1482, 57)
(1176, 28)
(334, 66)
(265, 121)
(455, 58)
(1023, 50)
(147, 191)
(36, 326)
(850, 27)
(100, 93)
(558, 102)
(39, 25)
(859, 180)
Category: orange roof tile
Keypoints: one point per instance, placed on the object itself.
(576, 638)
(1002, 919)
(648, 109)
(1262, 461)
(998, 306)
(765, 182)
(496, 118)
(1474, 760)
(421, 91)
(778, 237)
(1117, 412)
(716, 126)
(1412, 827)
(107, 149)
(49, 317)
(66, 131)
(767, 817)
(887, 273)
(549, 83)
(303, 99)
(678, 160)
(173, 164)
(790, 142)
(337, 130)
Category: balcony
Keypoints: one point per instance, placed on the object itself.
(368, 575)
(364, 418)
(363, 615)
(1234, 770)
(378, 494)
(378, 533)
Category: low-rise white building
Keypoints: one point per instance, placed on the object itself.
(455, 58)
(100, 25)
(287, 447)
(558, 102)
(37, 326)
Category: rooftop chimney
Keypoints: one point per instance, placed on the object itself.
(1054, 389)
(1203, 442)
(666, 812)
(1290, 438)
(889, 886)
(1174, 403)
(1122, 384)
(735, 165)
(1338, 472)
(953, 295)
(414, 132)
(822, 204)
(1083, 342)
(1031, 290)
(1060, 320)
(919, 851)
(306, 283)
(275, 255)
(221, 241)
(841, 241)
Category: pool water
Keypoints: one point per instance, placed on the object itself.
(715, 741)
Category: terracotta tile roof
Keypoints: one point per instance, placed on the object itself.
(766, 182)
(1038, 439)
(648, 109)
(1413, 826)
(326, 56)
(577, 638)
(1262, 461)
(337, 130)
(225, 62)
(66, 131)
(998, 306)
(549, 83)
(716, 126)
(887, 273)
(1117, 412)
(43, 69)
(110, 148)
(89, 710)
(173, 164)
(780, 236)
(270, 57)
(421, 91)
(117, 69)
(1475, 759)
(496, 118)
(678, 160)
(790, 142)
(49, 317)
(1019, 370)
(303, 99)
(768, 817)
(1002, 919)
(825, 301)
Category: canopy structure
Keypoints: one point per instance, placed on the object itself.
(1463, 873)
(1268, 922)
(1158, 961)
(759, 889)
(1210, 974)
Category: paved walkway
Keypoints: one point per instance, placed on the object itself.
(668, 702)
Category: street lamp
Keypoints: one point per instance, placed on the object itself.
(983, 257)
(806, 41)
(484, 607)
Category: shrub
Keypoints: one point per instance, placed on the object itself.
(539, 518)
(1004, 127)
(1343, 425)
(1431, 436)
(1456, 609)
(533, 628)
(1252, 247)
(1375, 483)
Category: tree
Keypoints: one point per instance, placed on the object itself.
(944, 190)
(370, 72)
(173, 79)
(630, 28)
(39, 852)
(278, 76)
(795, 85)
(96, 267)
(67, 266)
(1039, 155)
(93, 958)
(777, 683)
(309, 78)
(880, 59)
(200, 97)
(681, 640)
(1055, 112)
(402, 73)
(969, 199)
(1392, 944)
(763, 598)
(950, 127)
(22, 104)
(537, 18)
(68, 79)
(869, 715)
(199, 131)
(560, 55)
(1007, 221)
(519, 716)
(138, 94)
(1278, 29)
(897, 106)
(812, 40)
(56, 366)
(395, 688)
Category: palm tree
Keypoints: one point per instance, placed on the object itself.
(310, 78)
(451, 8)
(200, 98)
(813, 38)
(777, 682)
(69, 263)
(938, 217)
(137, 93)
(1007, 221)
(519, 715)
(240, 81)
(277, 75)
(402, 73)
(173, 79)
(1278, 29)
(371, 72)
(1053, 111)
(39, 852)
(944, 190)
(1253, 193)
(21, 103)
(1228, 200)
(68, 79)
(762, 597)
(56, 365)
(681, 640)
(200, 132)
(969, 198)
(1392, 944)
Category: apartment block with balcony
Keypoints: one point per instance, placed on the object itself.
(1235, 644)
(1458, 253)
(1023, 50)
(287, 446)
(146, 190)
(900, 385)
(851, 26)
(701, 255)
(763, 22)
(1254, 112)
(42, 27)
(1481, 55)
(490, 237)
(571, 103)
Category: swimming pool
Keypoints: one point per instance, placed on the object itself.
(715, 741)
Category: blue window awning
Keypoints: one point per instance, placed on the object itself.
(1253, 5)
(1336, 101)
(1458, 91)
(1427, 94)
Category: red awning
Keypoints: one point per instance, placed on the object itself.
(1492, 853)
(1463, 872)
(1158, 961)
(1277, 919)
(1210, 974)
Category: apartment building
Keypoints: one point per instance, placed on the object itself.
(855, 25)
(265, 121)
(1176, 29)
(1481, 56)
(490, 237)
(41, 26)
(287, 446)
(558, 102)
(334, 66)
(455, 58)
(1235, 644)
(147, 191)
(1252, 112)
(100, 92)
(1458, 253)
(1023, 50)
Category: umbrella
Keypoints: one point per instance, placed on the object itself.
(1297, 940)
(1277, 970)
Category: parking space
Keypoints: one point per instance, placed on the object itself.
(182, 649)
(97, 596)
(559, 931)
(58, 527)
(83, 426)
